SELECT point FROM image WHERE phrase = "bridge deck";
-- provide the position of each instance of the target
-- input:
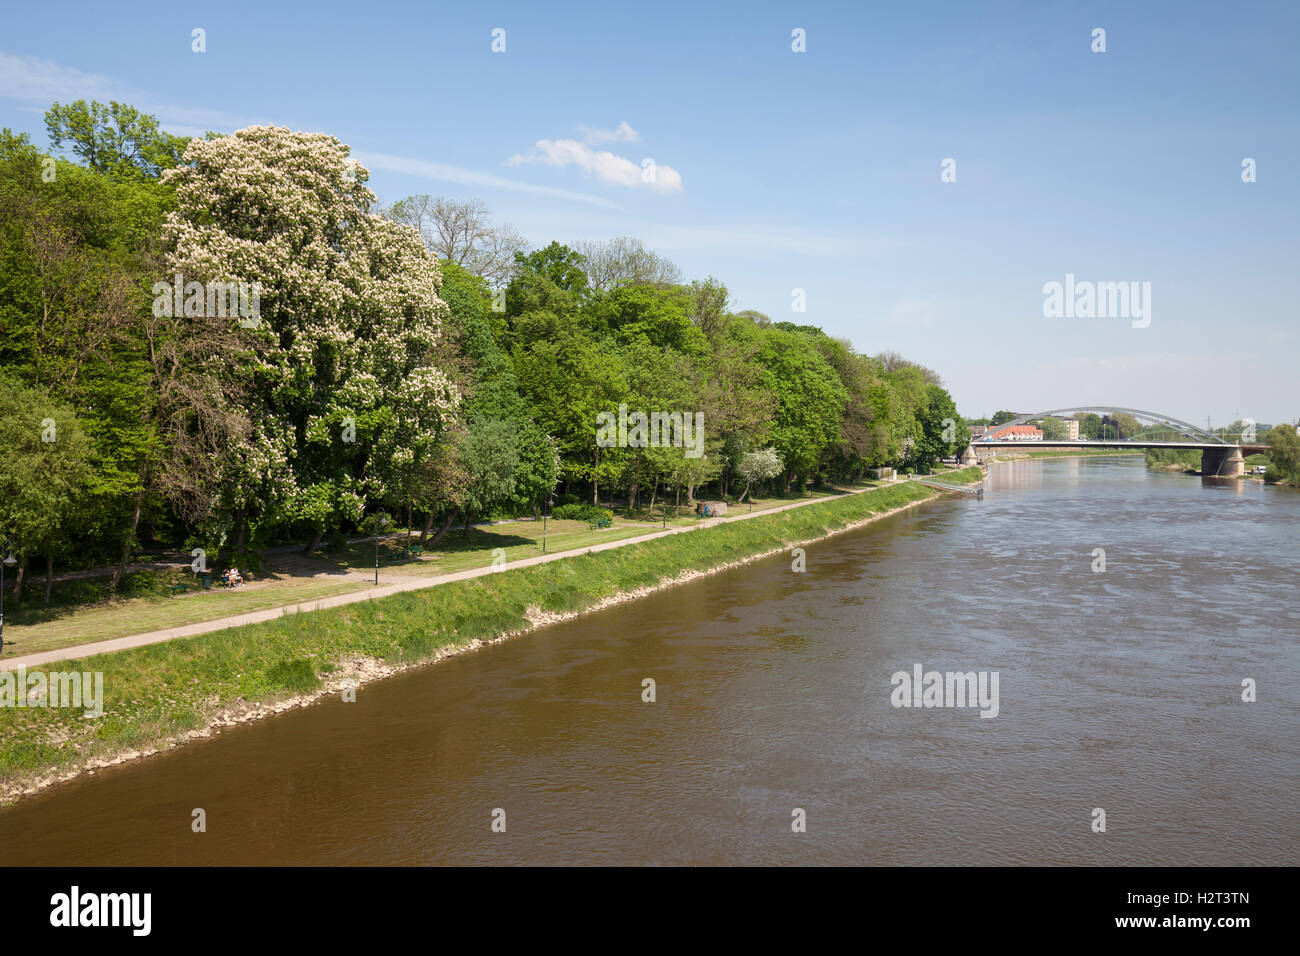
(1139, 443)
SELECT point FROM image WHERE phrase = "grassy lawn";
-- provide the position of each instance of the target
(71, 626)
(293, 579)
(963, 476)
(153, 695)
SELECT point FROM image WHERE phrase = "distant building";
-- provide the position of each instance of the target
(1015, 433)
(978, 431)
(1072, 429)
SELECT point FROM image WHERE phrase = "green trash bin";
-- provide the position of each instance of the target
(205, 580)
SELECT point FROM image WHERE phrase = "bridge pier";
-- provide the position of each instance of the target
(1226, 462)
(968, 457)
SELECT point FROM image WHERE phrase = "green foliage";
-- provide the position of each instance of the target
(116, 139)
(1283, 454)
(379, 378)
(581, 512)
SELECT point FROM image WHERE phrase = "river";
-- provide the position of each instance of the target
(1118, 690)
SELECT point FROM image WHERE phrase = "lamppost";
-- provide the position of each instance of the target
(8, 562)
(549, 503)
(379, 523)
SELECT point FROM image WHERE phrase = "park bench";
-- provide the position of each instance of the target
(601, 523)
(201, 582)
(414, 551)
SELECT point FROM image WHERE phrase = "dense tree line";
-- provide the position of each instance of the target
(227, 343)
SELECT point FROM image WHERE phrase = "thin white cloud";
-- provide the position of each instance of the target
(38, 82)
(760, 239)
(623, 133)
(604, 165)
(469, 177)
(33, 80)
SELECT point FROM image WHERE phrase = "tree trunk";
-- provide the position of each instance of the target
(18, 580)
(49, 577)
(428, 523)
(126, 542)
(441, 531)
(241, 535)
(314, 543)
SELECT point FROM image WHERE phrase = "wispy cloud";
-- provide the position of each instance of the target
(454, 174)
(40, 82)
(604, 165)
(31, 79)
(623, 133)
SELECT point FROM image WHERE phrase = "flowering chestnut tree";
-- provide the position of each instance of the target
(345, 365)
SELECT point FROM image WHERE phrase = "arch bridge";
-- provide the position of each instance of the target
(1219, 456)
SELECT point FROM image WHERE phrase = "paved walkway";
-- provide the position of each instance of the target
(394, 586)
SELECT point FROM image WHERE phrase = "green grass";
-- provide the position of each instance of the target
(155, 694)
(963, 476)
(1079, 452)
(289, 579)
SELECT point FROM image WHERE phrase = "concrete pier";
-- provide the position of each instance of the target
(1225, 462)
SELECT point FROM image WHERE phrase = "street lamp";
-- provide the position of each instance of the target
(549, 503)
(379, 523)
(8, 562)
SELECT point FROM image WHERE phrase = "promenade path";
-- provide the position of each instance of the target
(394, 585)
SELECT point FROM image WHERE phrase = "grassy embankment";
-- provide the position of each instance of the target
(157, 695)
(962, 476)
(1070, 453)
(84, 611)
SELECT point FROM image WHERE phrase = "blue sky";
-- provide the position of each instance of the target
(817, 171)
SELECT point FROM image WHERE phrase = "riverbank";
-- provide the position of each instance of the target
(1064, 453)
(164, 695)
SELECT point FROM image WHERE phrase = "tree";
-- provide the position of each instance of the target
(490, 456)
(1089, 425)
(1284, 451)
(810, 399)
(1054, 429)
(43, 471)
(625, 261)
(461, 231)
(1120, 425)
(116, 138)
(351, 359)
(708, 308)
(892, 362)
(559, 264)
(1002, 417)
(943, 433)
(760, 465)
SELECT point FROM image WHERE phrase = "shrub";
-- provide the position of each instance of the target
(577, 512)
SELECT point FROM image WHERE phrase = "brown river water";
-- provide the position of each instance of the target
(1118, 690)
